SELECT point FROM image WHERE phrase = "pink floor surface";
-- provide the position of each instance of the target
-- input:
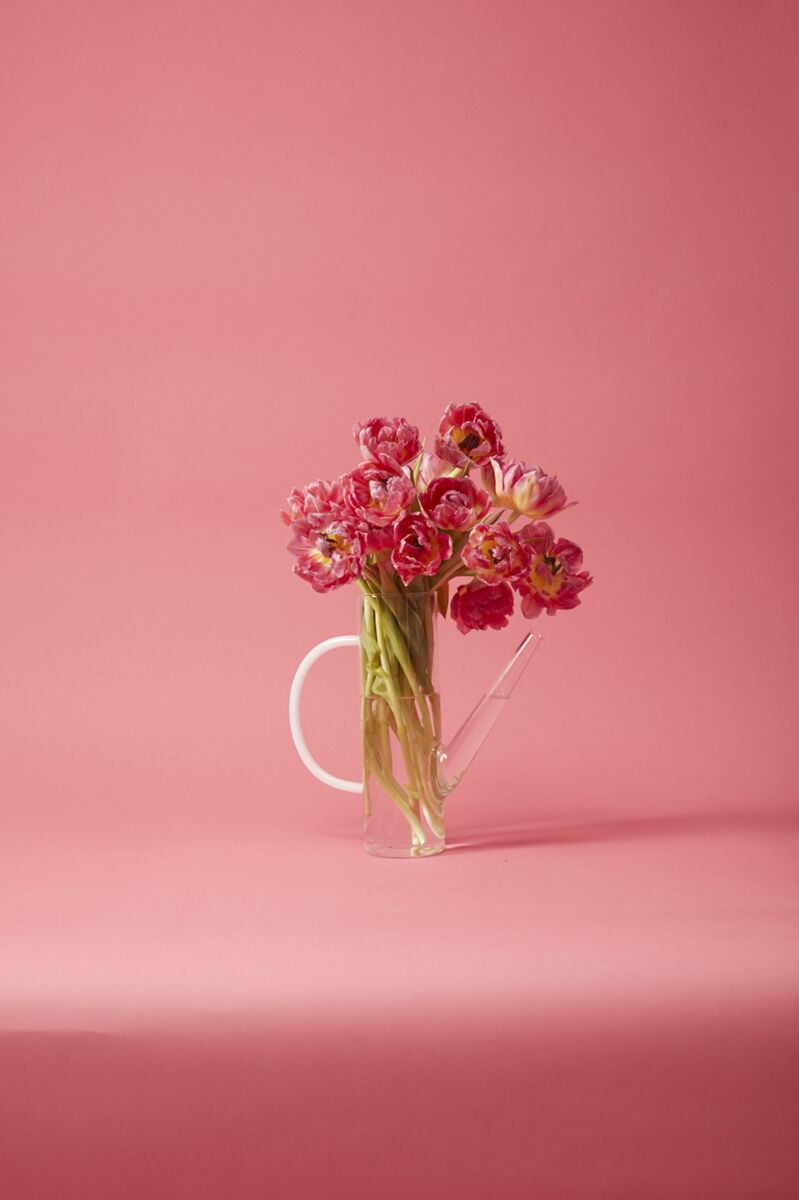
(606, 1009)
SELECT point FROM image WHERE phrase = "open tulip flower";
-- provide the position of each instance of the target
(313, 506)
(479, 605)
(553, 579)
(329, 556)
(495, 553)
(378, 494)
(467, 435)
(392, 441)
(419, 548)
(528, 491)
(454, 504)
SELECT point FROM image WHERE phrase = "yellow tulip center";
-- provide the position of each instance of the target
(547, 575)
(327, 544)
(466, 440)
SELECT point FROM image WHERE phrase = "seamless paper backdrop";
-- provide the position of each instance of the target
(230, 229)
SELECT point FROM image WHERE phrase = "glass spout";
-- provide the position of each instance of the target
(457, 756)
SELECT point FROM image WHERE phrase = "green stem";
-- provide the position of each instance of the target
(399, 703)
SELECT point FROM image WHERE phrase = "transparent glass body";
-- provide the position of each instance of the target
(407, 772)
(400, 725)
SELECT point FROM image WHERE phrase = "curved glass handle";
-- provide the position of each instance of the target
(343, 785)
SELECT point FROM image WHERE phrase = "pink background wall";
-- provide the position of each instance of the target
(231, 228)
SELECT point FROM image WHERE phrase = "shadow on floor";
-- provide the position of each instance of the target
(616, 829)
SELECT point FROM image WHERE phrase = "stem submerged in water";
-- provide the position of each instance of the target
(401, 721)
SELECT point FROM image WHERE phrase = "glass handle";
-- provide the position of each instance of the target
(343, 785)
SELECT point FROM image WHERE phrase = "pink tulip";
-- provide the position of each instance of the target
(392, 441)
(526, 490)
(496, 553)
(419, 548)
(467, 434)
(314, 505)
(329, 556)
(454, 503)
(479, 605)
(377, 493)
(553, 580)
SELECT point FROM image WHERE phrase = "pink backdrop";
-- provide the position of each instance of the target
(232, 228)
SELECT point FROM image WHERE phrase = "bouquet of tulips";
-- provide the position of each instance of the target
(411, 527)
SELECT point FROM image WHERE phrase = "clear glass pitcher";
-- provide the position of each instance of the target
(407, 771)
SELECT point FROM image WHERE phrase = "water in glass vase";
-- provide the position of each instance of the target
(400, 726)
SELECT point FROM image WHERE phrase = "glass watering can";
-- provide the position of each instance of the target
(407, 771)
